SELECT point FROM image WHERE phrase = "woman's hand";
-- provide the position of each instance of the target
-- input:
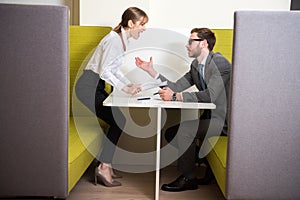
(132, 89)
(146, 66)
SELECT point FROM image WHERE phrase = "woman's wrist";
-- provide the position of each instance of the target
(153, 73)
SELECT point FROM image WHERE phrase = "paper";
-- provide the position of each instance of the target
(154, 84)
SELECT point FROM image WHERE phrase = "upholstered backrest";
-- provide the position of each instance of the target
(83, 41)
(224, 42)
(264, 141)
(34, 100)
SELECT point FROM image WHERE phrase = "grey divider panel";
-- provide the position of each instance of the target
(34, 100)
(264, 141)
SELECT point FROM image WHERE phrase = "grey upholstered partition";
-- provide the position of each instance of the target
(34, 100)
(264, 141)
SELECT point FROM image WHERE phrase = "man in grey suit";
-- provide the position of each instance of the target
(210, 73)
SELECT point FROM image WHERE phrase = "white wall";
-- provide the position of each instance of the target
(107, 12)
(179, 16)
(175, 15)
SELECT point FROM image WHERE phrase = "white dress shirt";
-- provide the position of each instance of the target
(203, 63)
(107, 59)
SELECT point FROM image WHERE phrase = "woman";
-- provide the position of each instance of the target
(102, 67)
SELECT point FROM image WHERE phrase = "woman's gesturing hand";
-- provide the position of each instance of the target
(146, 66)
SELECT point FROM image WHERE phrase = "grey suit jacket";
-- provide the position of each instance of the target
(217, 78)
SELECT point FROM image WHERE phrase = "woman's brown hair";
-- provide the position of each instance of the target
(131, 13)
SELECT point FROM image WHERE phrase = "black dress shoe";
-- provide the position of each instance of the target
(181, 184)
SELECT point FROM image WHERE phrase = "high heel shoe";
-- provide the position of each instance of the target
(113, 174)
(103, 179)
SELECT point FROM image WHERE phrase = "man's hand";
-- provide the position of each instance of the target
(166, 94)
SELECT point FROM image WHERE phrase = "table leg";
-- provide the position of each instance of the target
(158, 140)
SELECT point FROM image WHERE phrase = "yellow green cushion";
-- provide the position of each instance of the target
(82, 41)
(85, 138)
(224, 42)
(217, 159)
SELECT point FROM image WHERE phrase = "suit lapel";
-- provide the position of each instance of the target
(207, 64)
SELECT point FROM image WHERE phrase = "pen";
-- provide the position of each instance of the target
(155, 93)
(144, 98)
(162, 86)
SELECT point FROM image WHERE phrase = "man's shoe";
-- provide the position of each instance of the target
(181, 184)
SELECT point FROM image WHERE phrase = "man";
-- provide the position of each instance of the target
(210, 73)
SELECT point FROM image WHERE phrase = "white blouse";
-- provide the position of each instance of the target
(107, 59)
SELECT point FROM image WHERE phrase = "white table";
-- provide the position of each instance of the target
(116, 99)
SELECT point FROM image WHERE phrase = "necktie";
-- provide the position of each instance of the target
(201, 76)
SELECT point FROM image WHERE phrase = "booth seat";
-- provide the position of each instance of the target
(259, 158)
(218, 145)
(47, 142)
(84, 131)
(217, 159)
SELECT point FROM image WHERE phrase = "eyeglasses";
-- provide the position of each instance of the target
(190, 41)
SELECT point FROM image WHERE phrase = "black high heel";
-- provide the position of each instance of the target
(103, 180)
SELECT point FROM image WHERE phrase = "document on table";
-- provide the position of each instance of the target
(153, 84)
